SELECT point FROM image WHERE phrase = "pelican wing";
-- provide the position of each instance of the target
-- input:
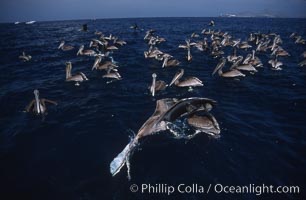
(232, 73)
(190, 82)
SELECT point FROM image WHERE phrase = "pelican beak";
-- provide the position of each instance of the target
(153, 84)
(219, 65)
(80, 50)
(177, 76)
(165, 61)
(97, 61)
(61, 45)
(36, 94)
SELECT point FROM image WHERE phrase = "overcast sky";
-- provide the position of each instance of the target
(41, 10)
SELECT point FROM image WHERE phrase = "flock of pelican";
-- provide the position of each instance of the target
(195, 109)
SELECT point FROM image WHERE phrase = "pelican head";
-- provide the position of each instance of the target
(208, 107)
(80, 49)
(61, 44)
(36, 93)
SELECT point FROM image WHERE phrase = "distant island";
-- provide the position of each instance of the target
(246, 14)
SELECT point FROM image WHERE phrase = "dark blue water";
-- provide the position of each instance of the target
(67, 154)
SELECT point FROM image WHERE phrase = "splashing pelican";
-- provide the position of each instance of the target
(166, 111)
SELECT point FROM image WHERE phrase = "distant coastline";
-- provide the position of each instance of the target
(111, 18)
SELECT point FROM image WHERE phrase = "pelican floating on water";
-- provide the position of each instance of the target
(37, 105)
(64, 47)
(168, 62)
(243, 67)
(275, 64)
(25, 57)
(211, 23)
(187, 46)
(206, 124)
(156, 85)
(112, 74)
(166, 111)
(229, 74)
(80, 77)
(188, 82)
(106, 65)
(87, 52)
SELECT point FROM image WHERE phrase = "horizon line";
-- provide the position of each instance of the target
(92, 19)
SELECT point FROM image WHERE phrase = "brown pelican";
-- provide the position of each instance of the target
(187, 46)
(64, 47)
(80, 77)
(153, 52)
(87, 52)
(230, 74)
(149, 34)
(25, 57)
(37, 105)
(243, 67)
(207, 124)
(299, 40)
(95, 43)
(279, 51)
(166, 112)
(134, 27)
(156, 85)
(188, 82)
(207, 32)
(156, 40)
(253, 60)
(168, 62)
(113, 75)
(119, 42)
(275, 64)
(103, 66)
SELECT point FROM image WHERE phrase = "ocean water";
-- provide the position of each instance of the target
(66, 154)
